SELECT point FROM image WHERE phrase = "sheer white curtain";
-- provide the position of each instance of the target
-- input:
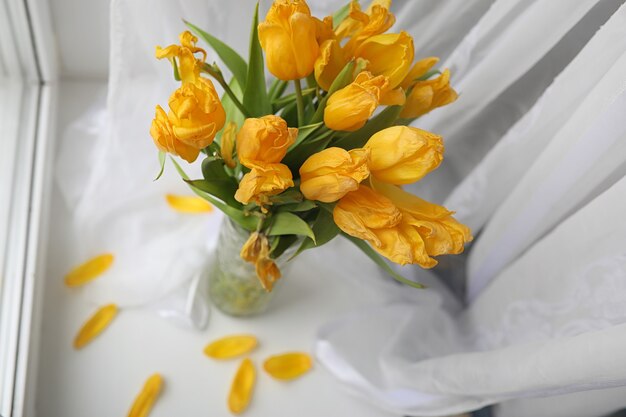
(535, 164)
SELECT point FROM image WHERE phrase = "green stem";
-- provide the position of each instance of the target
(216, 73)
(299, 102)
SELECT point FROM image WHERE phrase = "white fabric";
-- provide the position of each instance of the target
(535, 160)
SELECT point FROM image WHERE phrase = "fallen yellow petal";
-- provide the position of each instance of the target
(288, 365)
(88, 271)
(188, 204)
(231, 346)
(241, 389)
(95, 325)
(146, 398)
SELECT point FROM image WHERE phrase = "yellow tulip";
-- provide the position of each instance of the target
(389, 54)
(428, 95)
(349, 109)
(196, 113)
(419, 69)
(359, 213)
(264, 140)
(329, 63)
(262, 181)
(268, 273)
(188, 65)
(401, 227)
(256, 250)
(403, 155)
(164, 138)
(442, 234)
(375, 20)
(227, 145)
(289, 38)
(330, 174)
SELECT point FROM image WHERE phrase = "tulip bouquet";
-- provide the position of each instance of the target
(326, 149)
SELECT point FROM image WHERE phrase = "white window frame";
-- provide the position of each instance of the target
(28, 75)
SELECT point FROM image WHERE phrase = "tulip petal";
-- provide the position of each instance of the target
(95, 325)
(188, 204)
(147, 397)
(89, 270)
(288, 365)
(231, 346)
(242, 386)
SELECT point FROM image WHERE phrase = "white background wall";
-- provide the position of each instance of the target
(82, 30)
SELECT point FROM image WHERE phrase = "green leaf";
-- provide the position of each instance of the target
(345, 77)
(305, 205)
(289, 224)
(324, 229)
(162, 163)
(277, 89)
(297, 156)
(341, 15)
(231, 59)
(291, 195)
(303, 133)
(380, 261)
(281, 102)
(357, 139)
(238, 216)
(283, 243)
(217, 182)
(255, 98)
(232, 111)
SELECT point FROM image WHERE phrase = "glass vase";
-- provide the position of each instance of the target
(233, 284)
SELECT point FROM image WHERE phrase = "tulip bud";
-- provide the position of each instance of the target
(289, 38)
(349, 108)
(264, 140)
(330, 174)
(403, 155)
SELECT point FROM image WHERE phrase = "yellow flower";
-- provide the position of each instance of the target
(401, 227)
(289, 38)
(361, 212)
(330, 174)
(403, 155)
(256, 250)
(188, 65)
(349, 108)
(329, 63)
(196, 113)
(419, 69)
(251, 250)
(164, 138)
(227, 145)
(389, 54)
(375, 20)
(262, 181)
(264, 140)
(428, 95)
(442, 234)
